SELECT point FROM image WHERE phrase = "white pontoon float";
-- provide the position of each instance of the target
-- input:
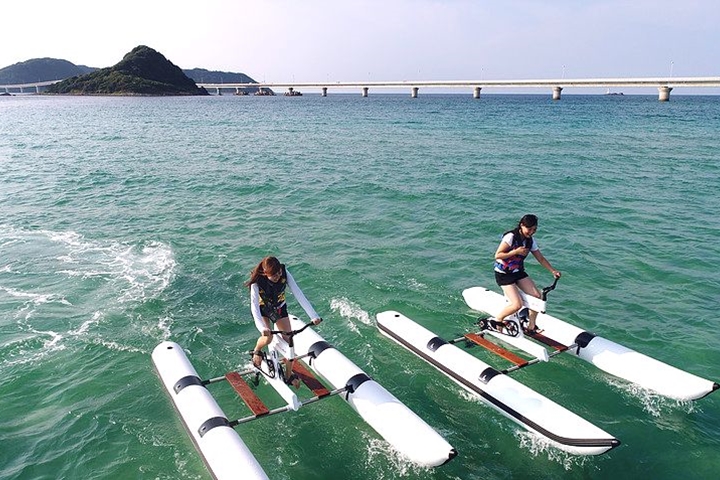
(561, 427)
(609, 356)
(222, 449)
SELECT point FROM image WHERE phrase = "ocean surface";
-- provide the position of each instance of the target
(128, 221)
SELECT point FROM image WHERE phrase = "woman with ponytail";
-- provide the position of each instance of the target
(267, 301)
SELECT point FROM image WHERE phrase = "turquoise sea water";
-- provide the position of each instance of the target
(128, 221)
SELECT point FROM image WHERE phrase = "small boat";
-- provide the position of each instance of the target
(222, 448)
(264, 92)
(560, 427)
(292, 93)
(620, 361)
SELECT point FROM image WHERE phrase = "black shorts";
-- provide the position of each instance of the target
(274, 314)
(509, 278)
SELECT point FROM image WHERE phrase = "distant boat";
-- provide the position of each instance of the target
(262, 92)
(292, 93)
(612, 93)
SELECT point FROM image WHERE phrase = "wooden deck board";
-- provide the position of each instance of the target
(243, 389)
(309, 379)
(506, 354)
(548, 341)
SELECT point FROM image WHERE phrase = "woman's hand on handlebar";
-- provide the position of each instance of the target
(316, 321)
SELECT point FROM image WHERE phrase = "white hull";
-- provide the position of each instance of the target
(222, 449)
(390, 418)
(611, 357)
(564, 429)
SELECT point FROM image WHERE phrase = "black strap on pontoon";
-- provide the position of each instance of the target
(582, 341)
(487, 375)
(211, 423)
(186, 382)
(435, 343)
(317, 348)
(354, 382)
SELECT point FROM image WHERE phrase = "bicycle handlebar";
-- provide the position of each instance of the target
(292, 333)
(549, 289)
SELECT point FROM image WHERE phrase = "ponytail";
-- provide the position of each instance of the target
(266, 267)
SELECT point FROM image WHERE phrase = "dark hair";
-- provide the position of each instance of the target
(528, 220)
(267, 267)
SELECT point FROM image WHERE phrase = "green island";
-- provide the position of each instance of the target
(143, 71)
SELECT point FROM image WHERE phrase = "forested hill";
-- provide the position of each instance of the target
(41, 70)
(200, 75)
(143, 71)
(46, 69)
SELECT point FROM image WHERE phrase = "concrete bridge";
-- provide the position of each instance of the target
(22, 86)
(663, 85)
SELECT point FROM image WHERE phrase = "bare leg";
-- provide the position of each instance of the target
(284, 325)
(528, 286)
(261, 343)
(514, 299)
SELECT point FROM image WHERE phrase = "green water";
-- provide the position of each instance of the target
(128, 221)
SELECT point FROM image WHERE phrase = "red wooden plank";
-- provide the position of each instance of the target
(548, 341)
(243, 389)
(309, 379)
(506, 354)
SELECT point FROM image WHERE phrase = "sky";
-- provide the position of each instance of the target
(378, 40)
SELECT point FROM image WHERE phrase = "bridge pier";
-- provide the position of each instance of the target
(414, 92)
(476, 92)
(556, 93)
(664, 93)
(217, 91)
(365, 91)
(324, 91)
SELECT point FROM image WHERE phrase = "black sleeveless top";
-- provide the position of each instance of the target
(272, 295)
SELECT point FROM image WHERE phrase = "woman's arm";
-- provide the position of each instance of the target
(255, 309)
(505, 250)
(302, 300)
(545, 263)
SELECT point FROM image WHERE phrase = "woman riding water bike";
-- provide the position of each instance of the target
(510, 272)
(267, 284)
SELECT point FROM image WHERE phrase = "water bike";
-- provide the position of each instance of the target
(515, 324)
(214, 435)
(560, 336)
